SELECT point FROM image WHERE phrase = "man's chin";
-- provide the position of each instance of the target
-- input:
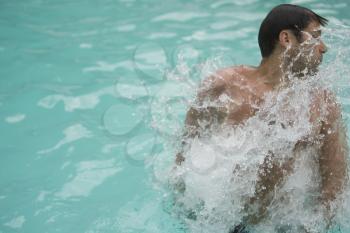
(314, 68)
(307, 72)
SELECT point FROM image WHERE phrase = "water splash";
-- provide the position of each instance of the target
(209, 191)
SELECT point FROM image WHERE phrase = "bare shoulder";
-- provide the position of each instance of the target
(230, 74)
(224, 78)
(332, 108)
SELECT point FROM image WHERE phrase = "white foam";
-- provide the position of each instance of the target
(224, 166)
(220, 170)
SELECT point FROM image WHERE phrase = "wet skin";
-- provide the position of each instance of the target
(246, 87)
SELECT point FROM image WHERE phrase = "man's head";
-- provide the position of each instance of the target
(294, 32)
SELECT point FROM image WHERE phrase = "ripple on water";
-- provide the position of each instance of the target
(16, 223)
(126, 27)
(202, 35)
(72, 103)
(140, 147)
(224, 24)
(150, 59)
(72, 133)
(226, 3)
(89, 175)
(130, 87)
(157, 35)
(85, 46)
(180, 16)
(15, 118)
(104, 66)
(144, 215)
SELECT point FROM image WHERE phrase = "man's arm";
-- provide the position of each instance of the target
(270, 175)
(333, 156)
(334, 151)
(199, 117)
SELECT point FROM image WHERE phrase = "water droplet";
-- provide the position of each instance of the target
(121, 118)
(186, 54)
(130, 87)
(168, 114)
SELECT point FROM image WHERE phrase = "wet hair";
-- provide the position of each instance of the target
(282, 17)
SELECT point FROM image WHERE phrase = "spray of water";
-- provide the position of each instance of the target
(209, 192)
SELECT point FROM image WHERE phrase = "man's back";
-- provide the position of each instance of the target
(234, 95)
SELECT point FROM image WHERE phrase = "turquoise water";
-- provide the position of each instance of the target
(84, 107)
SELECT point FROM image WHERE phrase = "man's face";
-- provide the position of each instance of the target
(305, 55)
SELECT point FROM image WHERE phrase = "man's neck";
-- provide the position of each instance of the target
(270, 71)
(273, 73)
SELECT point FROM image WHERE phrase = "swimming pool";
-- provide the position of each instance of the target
(91, 93)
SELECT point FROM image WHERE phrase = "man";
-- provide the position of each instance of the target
(291, 46)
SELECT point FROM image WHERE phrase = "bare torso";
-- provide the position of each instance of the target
(238, 93)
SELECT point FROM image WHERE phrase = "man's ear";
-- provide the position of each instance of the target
(285, 39)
